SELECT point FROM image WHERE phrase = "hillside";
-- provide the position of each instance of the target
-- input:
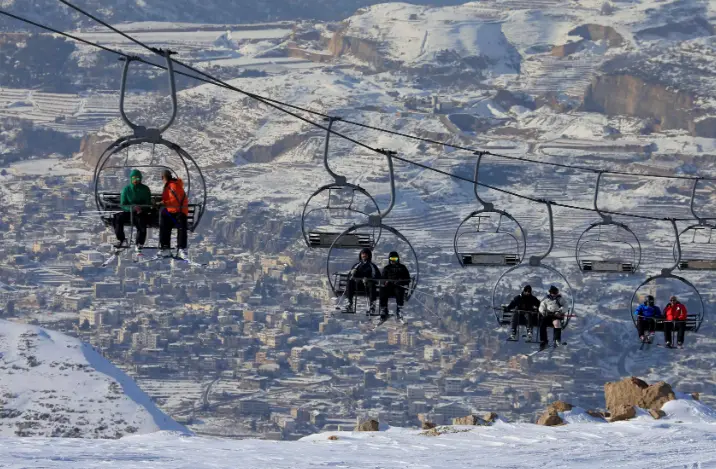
(54, 385)
(682, 439)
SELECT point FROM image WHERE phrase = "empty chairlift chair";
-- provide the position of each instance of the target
(328, 209)
(609, 236)
(698, 246)
(477, 242)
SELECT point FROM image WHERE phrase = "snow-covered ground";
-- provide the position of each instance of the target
(685, 438)
(52, 384)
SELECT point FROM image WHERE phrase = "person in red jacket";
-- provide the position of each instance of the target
(676, 314)
(173, 215)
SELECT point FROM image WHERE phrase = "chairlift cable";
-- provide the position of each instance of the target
(271, 102)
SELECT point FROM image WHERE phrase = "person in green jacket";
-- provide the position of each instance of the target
(136, 198)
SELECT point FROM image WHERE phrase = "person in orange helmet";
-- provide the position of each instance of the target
(175, 209)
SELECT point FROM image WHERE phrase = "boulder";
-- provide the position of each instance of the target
(635, 392)
(489, 417)
(550, 418)
(468, 420)
(333, 437)
(367, 426)
(623, 412)
(597, 414)
(657, 413)
(656, 395)
(428, 425)
(695, 396)
(560, 406)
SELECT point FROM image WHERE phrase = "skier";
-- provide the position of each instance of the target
(135, 201)
(173, 215)
(551, 311)
(360, 278)
(396, 281)
(525, 304)
(676, 315)
(646, 317)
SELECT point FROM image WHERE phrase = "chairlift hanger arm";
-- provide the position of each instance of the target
(678, 249)
(486, 205)
(536, 260)
(604, 217)
(389, 154)
(336, 177)
(691, 203)
(139, 130)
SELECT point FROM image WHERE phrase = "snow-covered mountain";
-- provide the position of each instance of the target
(55, 386)
(684, 438)
(194, 11)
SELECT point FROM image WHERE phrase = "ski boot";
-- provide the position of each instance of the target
(348, 309)
(138, 252)
(529, 335)
(398, 314)
(371, 310)
(513, 336)
(384, 315)
(182, 254)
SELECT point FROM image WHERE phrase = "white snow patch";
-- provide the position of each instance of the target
(46, 372)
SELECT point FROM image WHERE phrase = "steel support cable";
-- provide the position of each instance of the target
(270, 102)
(267, 100)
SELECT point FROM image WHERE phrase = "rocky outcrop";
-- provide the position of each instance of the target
(567, 49)
(506, 99)
(368, 426)
(560, 406)
(597, 414)
(623, 412)
(92, 146)
(428, 425)
(695, 396)
(363, 49)
(691, 28)
(633, 96)
(267, 153)
(657, 413)
(631, 392)
(597, 32)
(550, 418)
(490, 417)
(468, 420)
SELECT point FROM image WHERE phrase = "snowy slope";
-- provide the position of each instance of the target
(54, 385)
(640, 443)
(416, 35)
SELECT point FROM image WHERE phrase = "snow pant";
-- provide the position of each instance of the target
(516, 319)
(392, 290)
(550, 321)
(167, 221)
(643, 324)
(125, 218)
(680, 327)
(362, 285)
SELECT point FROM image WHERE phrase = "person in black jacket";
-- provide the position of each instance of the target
(359, 279)
(525, 304)
(396, 280)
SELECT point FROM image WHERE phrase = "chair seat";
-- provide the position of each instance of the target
(489, 258)
(109, 202)
(606, 266)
